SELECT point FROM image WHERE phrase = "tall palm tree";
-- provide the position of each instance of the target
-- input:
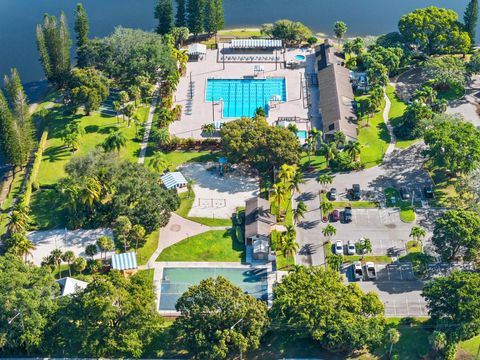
(286, 173)
(190, 183)
(91, 192)
(296, 180)
(329, 231)
(299, 212)
(117, 106)
(163, 136)
(56, 257)
(277, 195)
(288, 241)
(327, 208)
(330, 152)
(393, 336)
(69, 257)
(339, 137)
(129, 111)
(335, 261)
(365, 246)
(417, 233)
(18, 244)
(105, 244)
(324, 179)
(314, 137)
(115, 141)
(17, 222)
(25, 248)
(353, 148)
(159, 162)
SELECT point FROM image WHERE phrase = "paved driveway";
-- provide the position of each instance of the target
(398, 289)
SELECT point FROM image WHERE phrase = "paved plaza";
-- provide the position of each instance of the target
(191, 91)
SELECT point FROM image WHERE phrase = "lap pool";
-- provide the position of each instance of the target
(176, 281)
(241, 97)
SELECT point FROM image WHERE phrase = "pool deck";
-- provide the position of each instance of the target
(196, 111)
(158, 276)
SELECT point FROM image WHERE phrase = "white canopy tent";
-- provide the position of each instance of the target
(256, 43)
(197, 49)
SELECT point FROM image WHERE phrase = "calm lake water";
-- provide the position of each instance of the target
(19, 17)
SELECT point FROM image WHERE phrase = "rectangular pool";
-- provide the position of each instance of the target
(177, 280)
(241, 97)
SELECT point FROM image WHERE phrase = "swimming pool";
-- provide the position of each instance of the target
(176, 281)
(302, 135)
(241, 97)
(300, 57)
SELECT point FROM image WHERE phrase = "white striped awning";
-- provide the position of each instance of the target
(255, 43)
(124, 261)
(173, 180)
(197, 49)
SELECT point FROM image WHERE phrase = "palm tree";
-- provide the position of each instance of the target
(136, 121)
(393, 336)
(135, 93)
(91, 250)
(299, 212)
(437, 340)
(365, 246)
(105, 244)
(117, 106)
(288, 241)
(286, 173)
(339, 137)
(116, 140)
(314, 136)
(69, 258)
(159, 162)
(56, 257)
(324, 180)
(417, 233)
(277, 194)
(296, 180)
(329, 231)
(329, 151)
(163, 136)
(129, 110)
(17, 222)
(18, 244)
(124, 98)
(327, 208)
(353, 148)
(79, 264)
(190, 184)
(335, 261)
(91, 192)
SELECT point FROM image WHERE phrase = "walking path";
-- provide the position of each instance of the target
(386, 120)
(148, 126)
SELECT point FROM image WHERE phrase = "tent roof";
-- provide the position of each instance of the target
(197, 49)
(70, 285)
(255, 43)
(173, 179)
(124, 261)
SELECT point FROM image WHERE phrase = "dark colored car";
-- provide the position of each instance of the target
(428, 191)
(404, 193)
(347, 214)
(335, 215)
(333, 194)
(356, 192)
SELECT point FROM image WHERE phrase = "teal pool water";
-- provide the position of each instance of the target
(300, 57)
(241, 97)
(302, 135)
(177, 280)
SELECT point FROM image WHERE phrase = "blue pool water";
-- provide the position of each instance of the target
(177, 280)
(241, 97)
(302, 135)
(300, 57)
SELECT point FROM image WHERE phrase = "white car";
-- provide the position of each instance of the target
(357, 270)
(338, 248)
(370, 270)
(351, 248)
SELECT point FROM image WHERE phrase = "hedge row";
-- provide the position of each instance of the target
(35, 168)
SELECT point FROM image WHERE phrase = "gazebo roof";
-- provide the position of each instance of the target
(197, 49)
(124, 261)
(255, 43)
(173, 179)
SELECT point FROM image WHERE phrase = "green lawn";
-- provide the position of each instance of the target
(374, 138)
(97, 127)
(146, 251)
(444, 189)
(217, 245)
(356, 204)
(414, 246)
(396, 114)
(46, 209)
(185, 206)
(317, 162)
(379, 259)
(471, 346)
(407, 213)
(413, 343)
(177, 158)
(15, 190)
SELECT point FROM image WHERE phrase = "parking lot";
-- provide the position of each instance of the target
(397, 287)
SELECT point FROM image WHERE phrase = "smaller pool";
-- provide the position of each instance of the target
(300, 57)
(302, 135)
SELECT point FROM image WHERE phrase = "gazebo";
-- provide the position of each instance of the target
(174, 180)
(125, 262)
(197, 51)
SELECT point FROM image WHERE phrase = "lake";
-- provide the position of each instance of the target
(19, 17)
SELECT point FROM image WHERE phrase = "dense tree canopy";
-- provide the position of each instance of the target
(128, 55)
(445, 72)
(457, 235)
(263, 147)
(218, 320)
(100, 188)
(435, 31)
(454, 145)
(27, 299)
(292, 33)
(164, 15)
(454, 304)
(112, 317)
(87, 87)
(316, 301)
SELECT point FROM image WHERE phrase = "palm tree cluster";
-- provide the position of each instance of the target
(331, 150)
(287, 242)
(16, 241)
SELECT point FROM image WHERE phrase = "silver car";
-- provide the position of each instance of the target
(351, 248)
(338, 247)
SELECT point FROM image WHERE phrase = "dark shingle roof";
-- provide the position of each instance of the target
(258, 219)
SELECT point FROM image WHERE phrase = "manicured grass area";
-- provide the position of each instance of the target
(356, 204)
(242, 32)
(177, 158)
(146, 251)
(317, 162)
(217, 245)
(444, 189)
(97, 127)
(46, 209)
(185, 206)
(374, 138)
(407, 213)
(413, 343)
(379, 259)
(414, 246)
(395, 115)
(470, 346)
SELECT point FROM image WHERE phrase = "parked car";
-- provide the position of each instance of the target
(333, 194)
(357, 270)
(356, 192)
(335, 215)
(347, 214)
(428, 191)
(370, 270)
(404, 193)
(338, 247)
(351, 248)
(360, 243)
